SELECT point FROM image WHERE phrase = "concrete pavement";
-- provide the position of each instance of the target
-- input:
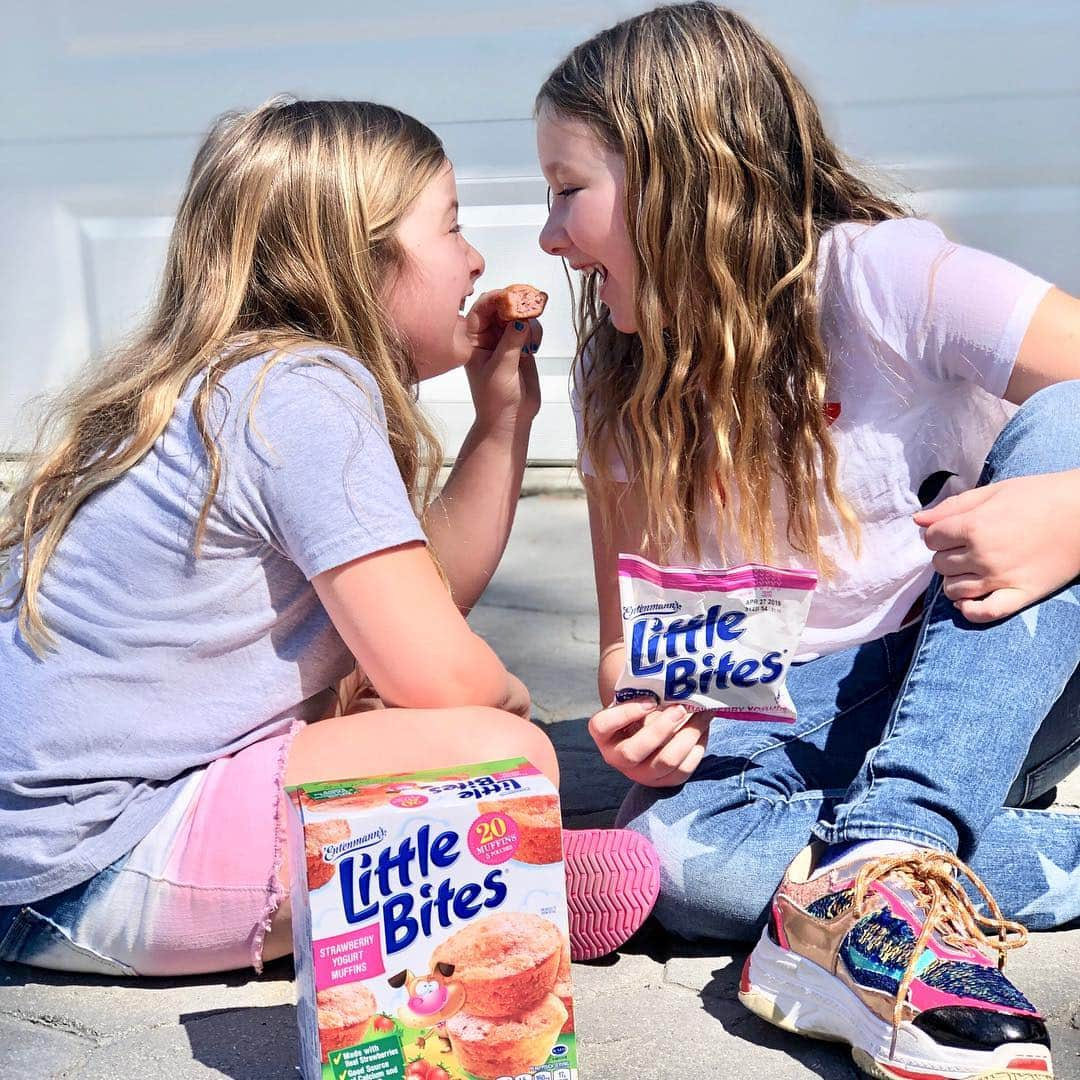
(659, 1010)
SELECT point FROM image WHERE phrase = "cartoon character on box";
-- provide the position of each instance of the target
(433, 999)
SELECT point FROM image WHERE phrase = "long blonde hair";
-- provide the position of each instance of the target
(284, 237)
(730, 183)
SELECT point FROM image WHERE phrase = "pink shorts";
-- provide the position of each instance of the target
(196, 894)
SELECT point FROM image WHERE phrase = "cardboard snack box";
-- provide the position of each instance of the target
(430, 927)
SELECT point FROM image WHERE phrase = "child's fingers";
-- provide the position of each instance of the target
(674, 752)
(955, 561)
(608, 722)
(482, 314)
(951, 532)
(1000, 604)
(687, 768)
(659, 728)
(536, 335)
(955, 504)
(514, 339)
(482, 323)
(965, 587)
(506, 344)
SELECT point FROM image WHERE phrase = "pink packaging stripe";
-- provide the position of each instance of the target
(745, 714)
(738, 577)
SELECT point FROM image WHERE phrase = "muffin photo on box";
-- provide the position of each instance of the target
(506, 963)
(491, 1047)
(539, 825)
(321, 833)
(345, 1013)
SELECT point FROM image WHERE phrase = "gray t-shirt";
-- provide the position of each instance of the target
(166, 662)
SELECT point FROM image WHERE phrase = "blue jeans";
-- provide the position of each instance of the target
(936, 734)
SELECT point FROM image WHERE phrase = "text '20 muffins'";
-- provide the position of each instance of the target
(430, 927)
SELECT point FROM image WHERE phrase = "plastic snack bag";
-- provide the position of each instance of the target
(716, 640)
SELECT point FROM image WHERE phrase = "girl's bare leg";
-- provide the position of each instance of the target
(385, 741)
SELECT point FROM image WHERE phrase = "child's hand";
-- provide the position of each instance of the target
(502, 373)
(1004, 546)
(657, 748)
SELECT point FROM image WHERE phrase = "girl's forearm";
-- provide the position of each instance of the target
(469, 523)
(610, 667)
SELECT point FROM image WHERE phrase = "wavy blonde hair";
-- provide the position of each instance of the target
(284, 238)
(730, 183)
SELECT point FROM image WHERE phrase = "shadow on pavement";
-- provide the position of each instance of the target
(719, 998)
(590, 790)
(248, 1043)
(240, 1043)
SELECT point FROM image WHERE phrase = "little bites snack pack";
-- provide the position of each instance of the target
(430, 927)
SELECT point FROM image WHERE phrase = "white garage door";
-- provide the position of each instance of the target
(972, 103)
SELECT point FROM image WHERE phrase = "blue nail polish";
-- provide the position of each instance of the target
(519, 326)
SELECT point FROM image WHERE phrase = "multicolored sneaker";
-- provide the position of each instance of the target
(891, 957)
(612, 882)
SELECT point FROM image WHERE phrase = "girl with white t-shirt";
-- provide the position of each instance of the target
(778, 364)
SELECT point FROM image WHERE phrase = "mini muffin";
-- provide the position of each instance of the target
(316, 835)
(539, 826)
(345, 1012)
(490, 1047)
(507, 962)
(520, 302)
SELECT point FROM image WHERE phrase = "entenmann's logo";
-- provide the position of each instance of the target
(333, 852)
(668, 608)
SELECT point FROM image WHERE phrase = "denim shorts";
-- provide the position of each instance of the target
(44, 933)
(195, 895)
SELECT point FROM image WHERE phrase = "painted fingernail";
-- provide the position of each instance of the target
(519, 326)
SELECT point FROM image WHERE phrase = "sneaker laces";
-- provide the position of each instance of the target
(935, 881)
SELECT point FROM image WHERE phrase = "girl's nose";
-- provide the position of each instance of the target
(476, 263)
(553, 238)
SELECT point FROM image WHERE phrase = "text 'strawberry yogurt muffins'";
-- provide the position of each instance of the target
(712, 640)
(430, 927)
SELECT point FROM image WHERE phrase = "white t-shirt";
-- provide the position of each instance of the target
(921, 335)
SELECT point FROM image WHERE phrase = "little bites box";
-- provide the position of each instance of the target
(430, 927)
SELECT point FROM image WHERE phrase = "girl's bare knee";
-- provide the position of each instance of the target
(541, 752)
(509, 735)
(279, 941)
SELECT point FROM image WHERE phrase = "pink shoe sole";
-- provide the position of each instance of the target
(612, 881)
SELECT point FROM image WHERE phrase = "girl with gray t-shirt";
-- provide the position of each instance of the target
(229, 517)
